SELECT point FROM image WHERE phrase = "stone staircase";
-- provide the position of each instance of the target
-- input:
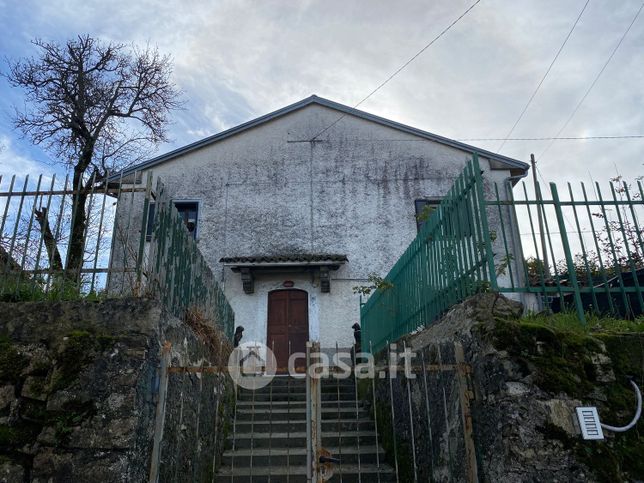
(269, 440)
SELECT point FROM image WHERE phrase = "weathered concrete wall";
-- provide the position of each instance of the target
(79, 387)
(526, 381)
(264, 192)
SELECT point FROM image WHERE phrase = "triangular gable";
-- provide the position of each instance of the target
(504, 161)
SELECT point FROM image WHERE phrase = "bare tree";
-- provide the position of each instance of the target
(95, 107)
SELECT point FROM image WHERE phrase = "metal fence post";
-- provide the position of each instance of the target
(314, 414)
(478, 181)
(572, 274)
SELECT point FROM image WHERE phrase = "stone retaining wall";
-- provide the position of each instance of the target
(526, 381)
(79, 385)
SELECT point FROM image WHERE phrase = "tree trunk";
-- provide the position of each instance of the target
(76, 252)
(55, 261)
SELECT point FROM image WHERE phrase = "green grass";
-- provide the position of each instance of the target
(19, 290)
(568, 322)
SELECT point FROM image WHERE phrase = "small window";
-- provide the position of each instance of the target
(424, 209)
(188, 211)
(460, 220)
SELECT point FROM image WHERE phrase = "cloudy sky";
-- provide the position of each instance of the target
(237, 59)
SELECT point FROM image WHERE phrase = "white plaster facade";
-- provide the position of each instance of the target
(265, 189)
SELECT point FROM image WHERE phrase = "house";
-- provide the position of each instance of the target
(295, 208)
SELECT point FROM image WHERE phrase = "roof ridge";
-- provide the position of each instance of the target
(315, 99)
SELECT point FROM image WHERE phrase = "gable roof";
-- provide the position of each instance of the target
(510, 162)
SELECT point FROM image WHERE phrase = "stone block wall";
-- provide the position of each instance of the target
(79, 393)
(526, 380)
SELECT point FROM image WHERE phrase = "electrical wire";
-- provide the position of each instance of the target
(525, 108)
(592, 84)
(395, 73)
(560, 138)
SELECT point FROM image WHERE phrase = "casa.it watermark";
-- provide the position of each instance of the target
(253, 365)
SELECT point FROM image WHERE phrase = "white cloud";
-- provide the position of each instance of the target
(237, 59)
(12, 162)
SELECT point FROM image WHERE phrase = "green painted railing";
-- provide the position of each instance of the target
(582, 253)
(119, 258)
(449, 260)
(178, 272)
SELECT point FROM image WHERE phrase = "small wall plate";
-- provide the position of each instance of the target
(589, 423)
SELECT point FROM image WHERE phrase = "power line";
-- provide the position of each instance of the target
(525, 108)
(382, 84)
(560, 138)
(590, 88)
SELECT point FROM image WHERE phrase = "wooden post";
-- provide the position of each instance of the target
(465, 395)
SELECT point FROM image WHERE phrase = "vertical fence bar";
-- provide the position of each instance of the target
(628, 251)
(6, 206)
(218, 391)
(428, 416)
(28, 235)
(640, 253)
(339, 422)
(445, 412)
(617, 267)
(572, 274)
(15, 228)
(595, 237)
(484, 222)
(144, 227)
(100, 231)
(270, 420)
(411, 420)
(516, 235)
(88, 222)
(375, 420)
(540, 261)
(76, 195)
(552, 252)
(393, 416)
(44, 214)
(583, 249)
(355, 385)
(508, 255)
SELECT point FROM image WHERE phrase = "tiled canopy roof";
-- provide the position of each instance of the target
(286, 258)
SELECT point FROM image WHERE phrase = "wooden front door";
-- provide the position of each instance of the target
(288, 321)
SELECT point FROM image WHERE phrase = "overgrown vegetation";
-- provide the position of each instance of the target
(568, 322)
(375, 282)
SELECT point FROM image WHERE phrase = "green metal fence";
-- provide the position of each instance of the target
(450, 259)
(581, 252)
(178, 272)
(580, 249)
(117, 257)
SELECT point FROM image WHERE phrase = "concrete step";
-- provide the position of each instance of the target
(295, 404)
(296, 389)
(297, 439)
(343, 393)
(241, 458)
(280, 380)
(280, 424)
(293, 413)
(296, 474)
